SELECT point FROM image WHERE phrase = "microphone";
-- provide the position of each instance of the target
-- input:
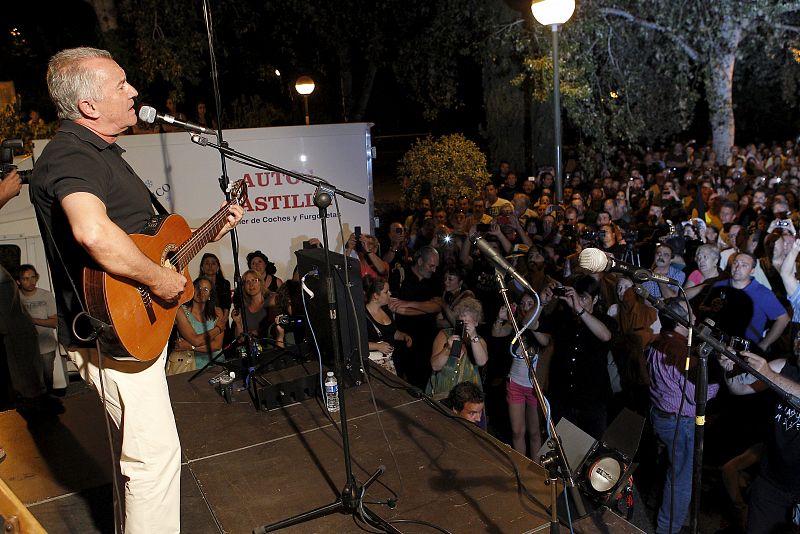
(500, 262)
(150, 115)
(596, 261)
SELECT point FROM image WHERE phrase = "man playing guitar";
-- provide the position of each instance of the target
(88, 199)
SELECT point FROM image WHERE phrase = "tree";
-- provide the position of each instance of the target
(448, 167)
(711, 36)
(643, 64)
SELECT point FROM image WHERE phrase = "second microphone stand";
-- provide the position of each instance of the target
(710, 344)
(351, 498)
(554, 461)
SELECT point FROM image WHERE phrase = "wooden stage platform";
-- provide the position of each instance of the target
(243, 469)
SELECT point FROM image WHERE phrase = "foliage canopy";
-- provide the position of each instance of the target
(448, 167)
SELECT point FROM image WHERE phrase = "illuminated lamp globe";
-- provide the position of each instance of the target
(550, 12)
(304, 85)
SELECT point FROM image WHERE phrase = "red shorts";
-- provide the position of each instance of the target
(516, 394)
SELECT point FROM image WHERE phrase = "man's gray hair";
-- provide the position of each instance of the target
(70, 80)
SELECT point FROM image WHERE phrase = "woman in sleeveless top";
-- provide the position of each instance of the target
(381, 330)
(201, 324)
(253, 306)
(523, 405)
(450, 369)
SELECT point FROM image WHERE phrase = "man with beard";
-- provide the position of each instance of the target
(416, 301)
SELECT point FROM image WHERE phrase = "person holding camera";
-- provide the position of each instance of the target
(523, 406)
(397, 253)
(458, 352)
(365, 248)
(579, 385)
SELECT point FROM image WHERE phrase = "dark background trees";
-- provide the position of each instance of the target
(636, 72)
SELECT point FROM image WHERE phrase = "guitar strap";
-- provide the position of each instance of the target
(157, 204)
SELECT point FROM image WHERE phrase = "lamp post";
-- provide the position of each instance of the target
(305, 86)
(554, 13)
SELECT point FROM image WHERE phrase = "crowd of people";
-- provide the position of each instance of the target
(435, 316)
(725, 233)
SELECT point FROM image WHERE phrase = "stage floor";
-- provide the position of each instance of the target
(243, 469)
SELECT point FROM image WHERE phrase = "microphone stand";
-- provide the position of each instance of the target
(555, 461)
(250, 378)
(710, 344)
(350, 499)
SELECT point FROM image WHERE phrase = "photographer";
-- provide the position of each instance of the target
(397, 253)
(579, 385)
(366, 249)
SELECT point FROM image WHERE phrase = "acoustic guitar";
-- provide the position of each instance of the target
(141, 322)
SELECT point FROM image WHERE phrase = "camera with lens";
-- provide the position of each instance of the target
(593, 236)
(286, 320)
(559, 291)
(630, 236)
(7, 160)
(739, 344)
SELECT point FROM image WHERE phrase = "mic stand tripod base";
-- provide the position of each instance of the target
(549, 463)
(349, 502)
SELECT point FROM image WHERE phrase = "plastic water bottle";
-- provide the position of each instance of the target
(331, 393)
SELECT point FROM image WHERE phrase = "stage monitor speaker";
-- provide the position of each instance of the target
(350, 313)
(600, 468)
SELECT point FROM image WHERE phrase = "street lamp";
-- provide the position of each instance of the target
(305, 86)
(554, 13)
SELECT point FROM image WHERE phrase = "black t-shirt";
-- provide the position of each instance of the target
(781, 461)
(420, 327)
(76, 160)
(579, 369)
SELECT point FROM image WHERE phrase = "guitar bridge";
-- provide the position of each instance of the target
(147, 301)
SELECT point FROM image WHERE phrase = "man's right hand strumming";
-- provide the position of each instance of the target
(170, 285)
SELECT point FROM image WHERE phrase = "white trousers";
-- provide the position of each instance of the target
(138, 401)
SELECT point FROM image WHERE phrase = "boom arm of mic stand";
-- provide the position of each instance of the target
(311, 180)
(555, 439)
(718, 346)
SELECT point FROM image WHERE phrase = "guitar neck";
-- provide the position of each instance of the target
(200, 238)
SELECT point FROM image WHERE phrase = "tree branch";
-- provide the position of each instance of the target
(788, 8)
(504, 28)
(611, 11)
(787, 28)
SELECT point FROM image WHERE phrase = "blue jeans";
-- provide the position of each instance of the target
(681, 463)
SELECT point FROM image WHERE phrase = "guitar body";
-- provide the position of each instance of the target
(141, 321)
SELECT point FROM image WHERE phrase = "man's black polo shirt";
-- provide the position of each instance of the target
(77, 160)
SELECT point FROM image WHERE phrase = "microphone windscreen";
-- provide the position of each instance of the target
(593, 260)
(147, 114)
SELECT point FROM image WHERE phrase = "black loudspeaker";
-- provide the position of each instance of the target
(350, 310)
